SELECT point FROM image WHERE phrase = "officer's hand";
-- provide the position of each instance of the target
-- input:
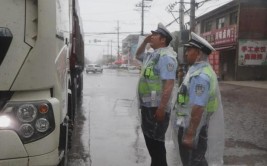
(188, 140)
(159, 115)
(147, 39)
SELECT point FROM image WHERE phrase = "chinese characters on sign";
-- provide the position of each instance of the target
(252, 52)
(226, 35)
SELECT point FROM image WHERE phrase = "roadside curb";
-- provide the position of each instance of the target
(253, 84)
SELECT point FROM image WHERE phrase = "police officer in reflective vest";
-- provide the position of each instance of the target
(199, 105)
(155, 86)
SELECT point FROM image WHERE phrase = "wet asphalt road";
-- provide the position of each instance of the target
(107, 128)
(245, 112)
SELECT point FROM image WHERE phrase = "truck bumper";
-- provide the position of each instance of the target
(49, 159)
(14, 153)
(14, 162)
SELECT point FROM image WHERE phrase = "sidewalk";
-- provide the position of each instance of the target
(255, 84)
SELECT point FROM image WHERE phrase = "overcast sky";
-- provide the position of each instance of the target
(104, 16)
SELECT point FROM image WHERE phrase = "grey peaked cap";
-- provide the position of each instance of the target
(163, 31)
(199, 42)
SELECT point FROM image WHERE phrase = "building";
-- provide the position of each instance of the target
(129, 47)
(237, 30)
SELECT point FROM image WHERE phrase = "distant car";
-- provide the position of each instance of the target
(132, 68)
(124, 66)
(94, 68)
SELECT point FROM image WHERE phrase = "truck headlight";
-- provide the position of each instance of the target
(4, 121)
(31, 120)
(27, 112)
(26, 130)
(42, 125)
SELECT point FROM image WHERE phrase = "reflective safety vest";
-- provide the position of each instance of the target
(183, 94)
(150, 84)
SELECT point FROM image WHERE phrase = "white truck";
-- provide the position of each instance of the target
(41, 65)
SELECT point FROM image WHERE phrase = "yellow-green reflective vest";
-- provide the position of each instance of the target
(212, 105)
(150, 84)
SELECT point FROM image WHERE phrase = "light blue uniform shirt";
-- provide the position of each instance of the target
(166, 66)
(199, 87)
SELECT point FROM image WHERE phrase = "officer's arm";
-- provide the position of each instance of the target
(166, 93)
(142, 47)
(198, 96)
(167, 75)
(190, 134)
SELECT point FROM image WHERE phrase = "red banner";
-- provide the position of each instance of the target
(223, 36)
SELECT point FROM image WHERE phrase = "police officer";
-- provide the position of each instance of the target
(198, 103)
(155, 86)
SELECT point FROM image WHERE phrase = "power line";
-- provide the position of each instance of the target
(193, 5)
(108, 33)
(131, 22)
(92, 37)
(89, 44)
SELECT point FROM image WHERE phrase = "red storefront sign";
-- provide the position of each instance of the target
(223, 36)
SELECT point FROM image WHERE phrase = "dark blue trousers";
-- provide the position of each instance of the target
(157, 151)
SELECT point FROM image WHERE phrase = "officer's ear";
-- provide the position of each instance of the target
(199, 54)
(162, 40)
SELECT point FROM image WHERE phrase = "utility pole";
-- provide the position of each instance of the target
(142, 18)
(192, 15)
(181, 15)
(111, 52)
(142, 5)
(118, 28)
(108, 47)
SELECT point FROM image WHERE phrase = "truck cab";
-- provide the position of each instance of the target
(37, 97)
